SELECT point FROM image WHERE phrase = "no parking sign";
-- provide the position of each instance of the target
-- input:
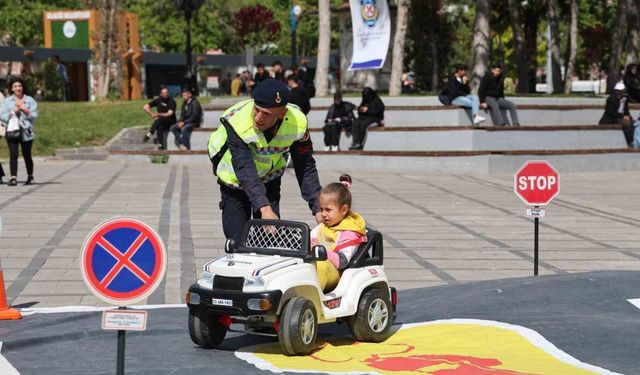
(122, 261)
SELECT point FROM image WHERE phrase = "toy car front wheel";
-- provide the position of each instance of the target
(372, 322)
(298, 327)
(205, 329)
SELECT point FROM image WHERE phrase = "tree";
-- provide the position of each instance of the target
(521, 50)
(633, 38)
(106, 52)
(324, 47)
(397, 65)
(552, 18)
(480, 42)
(617, 42)
(572, 47)
(255, 25)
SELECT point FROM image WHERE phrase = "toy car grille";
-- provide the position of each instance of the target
(228, 283)
(274, 237)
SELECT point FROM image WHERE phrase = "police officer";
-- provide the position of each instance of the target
(248, 155)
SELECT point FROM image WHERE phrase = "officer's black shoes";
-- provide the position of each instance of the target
(12, 182)
(29, 181)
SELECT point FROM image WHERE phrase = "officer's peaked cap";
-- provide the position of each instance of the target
(271, 93)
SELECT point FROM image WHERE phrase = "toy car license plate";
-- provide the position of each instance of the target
(222, 302)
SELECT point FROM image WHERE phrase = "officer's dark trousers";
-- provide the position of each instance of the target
(236, 208)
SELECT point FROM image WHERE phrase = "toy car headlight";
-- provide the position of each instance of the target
(206, 280)
(253, 281)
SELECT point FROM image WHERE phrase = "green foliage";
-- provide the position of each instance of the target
(159, 159)
(22, 20)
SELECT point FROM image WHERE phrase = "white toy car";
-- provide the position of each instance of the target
(268, 283)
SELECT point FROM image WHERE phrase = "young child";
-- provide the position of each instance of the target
(341, 232)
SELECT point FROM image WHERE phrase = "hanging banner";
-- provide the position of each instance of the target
(371, 32)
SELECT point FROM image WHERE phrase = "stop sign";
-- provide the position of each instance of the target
(536, 183)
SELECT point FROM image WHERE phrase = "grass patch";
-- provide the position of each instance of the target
(82, 124)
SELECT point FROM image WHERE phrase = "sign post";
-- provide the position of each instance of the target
(536, 183)
(122, 262)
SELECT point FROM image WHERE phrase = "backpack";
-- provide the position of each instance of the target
(443, 97)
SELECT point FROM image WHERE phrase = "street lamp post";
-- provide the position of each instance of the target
(296, 11)
(189, 7)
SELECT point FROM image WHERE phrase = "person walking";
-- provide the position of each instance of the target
(491, 93)
(458, 92)
(163, 118)
(190, 117)
(24, 109)
(4, 127)
(249, 151)
(61, 70)
(370, 112)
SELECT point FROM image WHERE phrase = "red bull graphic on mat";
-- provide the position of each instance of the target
(444, 347)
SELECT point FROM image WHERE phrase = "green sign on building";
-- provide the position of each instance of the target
(70, 34)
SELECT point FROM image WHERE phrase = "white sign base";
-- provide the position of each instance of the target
(124, 320)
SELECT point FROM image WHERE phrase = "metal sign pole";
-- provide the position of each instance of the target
(121, 344)
(535, 243)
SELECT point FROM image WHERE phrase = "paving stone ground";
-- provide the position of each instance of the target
(438, 228)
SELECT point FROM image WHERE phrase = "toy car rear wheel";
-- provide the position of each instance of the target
(205, 329)
(373, 320)
(298, 327)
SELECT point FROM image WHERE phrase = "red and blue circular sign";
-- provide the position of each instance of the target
(123, 261)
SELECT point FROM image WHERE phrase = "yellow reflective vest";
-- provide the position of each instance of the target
(268, 156)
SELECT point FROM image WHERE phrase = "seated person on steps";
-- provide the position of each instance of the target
(459, 93)
(163, 118)
(339, 116)
(491, 93)
(341, 232)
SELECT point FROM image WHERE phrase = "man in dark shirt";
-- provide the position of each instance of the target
(616, 111)
(190, 117)
(261, 73)
(298, 95)
(164, 117)
(491, 93)
(256, 196)
(277, 71)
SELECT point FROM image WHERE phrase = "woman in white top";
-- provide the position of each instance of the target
(25, 109)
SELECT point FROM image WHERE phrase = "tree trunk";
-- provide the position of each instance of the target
(324, 48)
(572, 47)
(521, 51)
(633, 39)
(435, 72)
(480, 43)
(553, 13)
(397, 64)
(617, 40)
(105, 53)
(531, 43)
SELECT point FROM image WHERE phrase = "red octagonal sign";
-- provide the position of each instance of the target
(536, 183)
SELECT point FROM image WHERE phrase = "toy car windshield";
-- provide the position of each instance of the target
(275, 237)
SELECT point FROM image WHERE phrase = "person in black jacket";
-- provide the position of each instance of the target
(298, 95)
(370, 112)
(632, 82)
(190, 117)
(616, 111)
(339, 116)
(458, 91)
(261, 73)
(491, 93)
